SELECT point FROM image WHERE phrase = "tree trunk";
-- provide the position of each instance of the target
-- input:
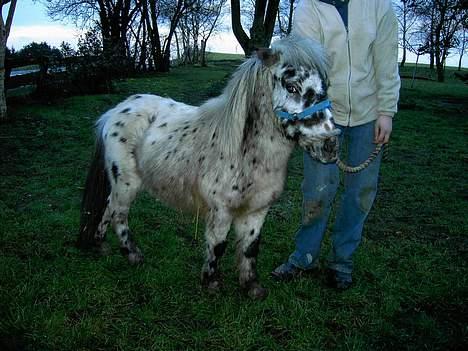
(404, 29)
(4, 33)
(239, 32)
(262, 27)
(203, 53)
(403, 58)
(3, 105)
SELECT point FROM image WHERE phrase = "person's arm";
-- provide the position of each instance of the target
(385, 52)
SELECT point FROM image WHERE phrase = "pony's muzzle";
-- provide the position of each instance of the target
(330, 149)
(326, 149)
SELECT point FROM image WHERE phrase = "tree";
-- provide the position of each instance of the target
(444, 18)
(285, 17)
(4, 33)
(197, 26)
(113, 16)
(39, 50)
(168, 12)
(407, 20)
(462, 40)
(262, 27)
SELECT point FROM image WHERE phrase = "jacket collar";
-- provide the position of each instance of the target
(335, 2)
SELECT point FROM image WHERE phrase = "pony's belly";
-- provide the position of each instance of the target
(174, 194)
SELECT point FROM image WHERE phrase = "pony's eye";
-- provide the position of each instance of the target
(291, 89)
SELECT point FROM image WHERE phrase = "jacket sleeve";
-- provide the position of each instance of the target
(385, 53)
(304, 24)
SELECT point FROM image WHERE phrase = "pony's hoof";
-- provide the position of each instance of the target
(212, 283)
(257, 292)
(213, 287)
(104, 249)
(135, 258)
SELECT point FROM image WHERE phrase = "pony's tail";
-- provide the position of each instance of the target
(95, 199)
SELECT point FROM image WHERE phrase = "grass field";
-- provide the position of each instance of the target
(411, 271)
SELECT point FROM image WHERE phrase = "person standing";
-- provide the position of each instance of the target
(361, 40)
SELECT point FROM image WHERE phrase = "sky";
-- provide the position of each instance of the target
(31, 23)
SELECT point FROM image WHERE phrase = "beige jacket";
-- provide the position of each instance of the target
(364, 80)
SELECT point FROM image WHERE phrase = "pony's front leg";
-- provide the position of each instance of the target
(218, 223)
(248, 242)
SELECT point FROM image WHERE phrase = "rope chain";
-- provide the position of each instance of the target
(349, 169)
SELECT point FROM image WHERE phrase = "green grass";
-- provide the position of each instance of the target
(411, 274)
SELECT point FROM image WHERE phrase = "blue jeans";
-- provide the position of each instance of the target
(319, 189)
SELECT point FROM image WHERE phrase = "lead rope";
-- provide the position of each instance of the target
(348, 169)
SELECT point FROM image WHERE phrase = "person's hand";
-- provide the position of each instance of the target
(383, 129)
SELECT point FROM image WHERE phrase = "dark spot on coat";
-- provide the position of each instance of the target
(235, 187)
(125, 110)
(252, 250)
(194, 130)
(220, 248)
(252, 232)
(114, 134)
(123, 140)
(162, 125)
(115, 171)
(289, 73)
(119, 124)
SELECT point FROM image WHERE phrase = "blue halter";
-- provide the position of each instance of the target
(307, 113)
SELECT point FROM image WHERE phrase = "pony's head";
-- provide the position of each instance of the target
(299, 72)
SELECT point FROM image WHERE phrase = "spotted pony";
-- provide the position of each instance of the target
(225, 160)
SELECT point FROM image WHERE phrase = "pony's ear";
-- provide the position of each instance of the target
(267, 56)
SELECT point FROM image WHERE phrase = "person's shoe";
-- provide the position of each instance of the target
(286, 271)
(339, 280)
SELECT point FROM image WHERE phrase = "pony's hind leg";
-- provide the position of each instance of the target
(248, 242)
(218, 223)
(125, 186)
(100, 235)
